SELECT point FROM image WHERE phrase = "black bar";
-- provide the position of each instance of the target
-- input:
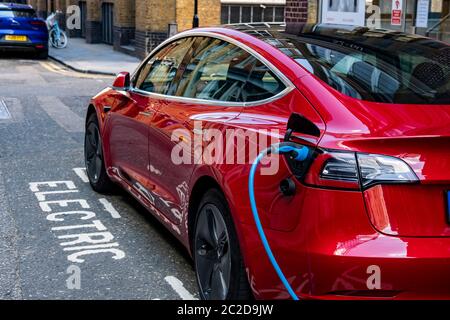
(196, 21)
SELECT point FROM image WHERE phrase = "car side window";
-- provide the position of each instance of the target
(221, 71)
(158, 75)
(262, 84)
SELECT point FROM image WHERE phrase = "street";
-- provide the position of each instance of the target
(42, 114)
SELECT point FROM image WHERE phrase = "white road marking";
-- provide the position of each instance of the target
(110, 208)
(42, 196)
(179, 288)
(56, 68)
(81, 173)
(82, 244)
(4, 112)
(99, 246)
(15, 109)
(62, 114)
(34, 186)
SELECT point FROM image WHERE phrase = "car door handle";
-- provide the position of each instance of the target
(146, 113)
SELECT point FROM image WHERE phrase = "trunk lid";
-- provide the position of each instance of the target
(420, 136)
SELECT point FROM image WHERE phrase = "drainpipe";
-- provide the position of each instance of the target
(196, 21)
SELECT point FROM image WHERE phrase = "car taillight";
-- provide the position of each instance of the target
(333, 169)
(37, 23)
(354, 171)
(376, 169)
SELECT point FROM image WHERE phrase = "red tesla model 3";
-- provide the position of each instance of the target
(366, 215)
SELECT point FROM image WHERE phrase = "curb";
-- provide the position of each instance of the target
(81, 70)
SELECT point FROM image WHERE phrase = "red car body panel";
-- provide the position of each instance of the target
(324, 240)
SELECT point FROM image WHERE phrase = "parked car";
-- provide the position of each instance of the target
(21, 29)
(368, 215)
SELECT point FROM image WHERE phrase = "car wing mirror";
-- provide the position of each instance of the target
(122, 81)
(299, 124)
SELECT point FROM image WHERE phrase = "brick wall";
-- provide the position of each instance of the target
(152, 19)
(296, 14)
(124, 23)
(94, 10)
(124, 13)
(140, 22)
(208, 12)
(41, 8)
(154, 15)
(146, 41)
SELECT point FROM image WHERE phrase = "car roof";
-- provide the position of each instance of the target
(9, 5)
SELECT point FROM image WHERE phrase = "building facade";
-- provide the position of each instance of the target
(252, 11)
(423, 17)
(138, 26)
(131, 26)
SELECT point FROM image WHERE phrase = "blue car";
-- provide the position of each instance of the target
(21, 29)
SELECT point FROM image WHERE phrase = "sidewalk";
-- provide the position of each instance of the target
(93, 58)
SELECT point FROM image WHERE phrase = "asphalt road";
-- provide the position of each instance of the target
(42, 109)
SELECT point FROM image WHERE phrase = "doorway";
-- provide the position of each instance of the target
(107, 23)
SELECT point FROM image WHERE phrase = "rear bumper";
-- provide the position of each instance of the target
(383, 267)
(335, 253)
(20, 46)
(9, 46)
(37, 41)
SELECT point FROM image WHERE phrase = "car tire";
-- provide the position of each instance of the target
(216, 252)
(94, 160)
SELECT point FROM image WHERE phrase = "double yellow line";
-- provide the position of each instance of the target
(57, 68)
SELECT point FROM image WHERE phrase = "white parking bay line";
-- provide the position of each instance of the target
(62, 114)
(179, 288)
(81, 173)
(110, 208)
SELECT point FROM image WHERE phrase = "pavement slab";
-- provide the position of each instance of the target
(94, 58)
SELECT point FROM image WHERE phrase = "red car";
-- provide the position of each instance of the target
(366, 215)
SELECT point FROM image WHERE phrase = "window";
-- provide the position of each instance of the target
(159, 73)
(279, 14)
(246, 14)
(221, 71)
(235, 13)
(251, 13)
(416, 72)
(262, 84)
(257, 14)
(26, 13)
(268, 14)
(224, 14)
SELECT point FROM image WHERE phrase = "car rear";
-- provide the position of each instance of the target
(21, 29)
(375, 196)
(387, 149)
(388, 209)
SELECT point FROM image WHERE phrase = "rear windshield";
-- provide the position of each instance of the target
(17, 13)
(408, 70)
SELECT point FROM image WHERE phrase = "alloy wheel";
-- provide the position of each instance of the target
(93, 152)
(212, 254)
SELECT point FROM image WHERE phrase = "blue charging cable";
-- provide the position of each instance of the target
(299, 154)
